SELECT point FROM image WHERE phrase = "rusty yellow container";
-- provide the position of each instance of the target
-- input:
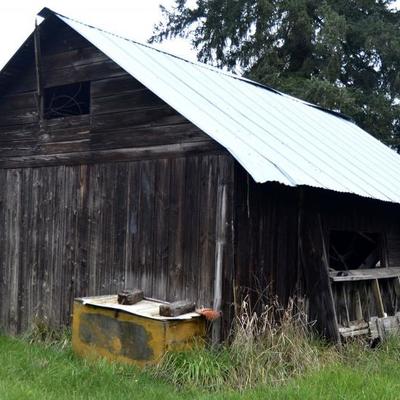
(135, 334)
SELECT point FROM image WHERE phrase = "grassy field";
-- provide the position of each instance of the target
(38, 372)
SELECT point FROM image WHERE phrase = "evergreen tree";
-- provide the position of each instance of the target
(340, 54)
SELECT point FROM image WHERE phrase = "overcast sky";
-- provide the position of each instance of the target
(130, 18)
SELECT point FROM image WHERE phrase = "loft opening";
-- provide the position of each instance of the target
(66, 100)
(354, 250)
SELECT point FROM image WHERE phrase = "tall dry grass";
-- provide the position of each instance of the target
(41, 332)
(268, 347)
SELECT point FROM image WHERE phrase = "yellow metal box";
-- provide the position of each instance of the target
(135, 334)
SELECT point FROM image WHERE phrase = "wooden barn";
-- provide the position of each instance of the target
(122, 166)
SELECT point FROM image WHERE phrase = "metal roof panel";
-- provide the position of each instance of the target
(275, 137)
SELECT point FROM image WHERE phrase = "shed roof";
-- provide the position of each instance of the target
(275, 137)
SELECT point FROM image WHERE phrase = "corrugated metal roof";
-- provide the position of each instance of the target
(275, 137)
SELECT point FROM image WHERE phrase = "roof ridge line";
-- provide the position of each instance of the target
(46, 12)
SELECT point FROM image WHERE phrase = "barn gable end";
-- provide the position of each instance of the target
(123, 195)
(123, 113)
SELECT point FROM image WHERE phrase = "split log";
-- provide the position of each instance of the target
(129, 297)
(176, 308)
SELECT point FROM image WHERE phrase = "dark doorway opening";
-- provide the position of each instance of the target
(353, 250)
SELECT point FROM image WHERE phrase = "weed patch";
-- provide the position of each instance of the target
(40, 332)
(266, 348)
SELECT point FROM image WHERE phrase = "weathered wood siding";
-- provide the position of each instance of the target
(265, 237)
(127, 196)
(127, 121)
(282, 242)
(72, 231)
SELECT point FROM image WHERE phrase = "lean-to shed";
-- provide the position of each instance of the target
(124, 166)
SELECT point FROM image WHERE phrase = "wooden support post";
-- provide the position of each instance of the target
(358, 306)
(221, 226)
(334, 329)
(315, 269)
(378, 298)
(38, 56)
(346, 304)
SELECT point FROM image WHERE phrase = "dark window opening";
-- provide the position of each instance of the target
(353, 250)
(67, 100)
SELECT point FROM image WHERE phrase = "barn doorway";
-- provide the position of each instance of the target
(353, 250)
(366, 293)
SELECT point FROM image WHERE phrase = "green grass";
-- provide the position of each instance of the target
(34, 371)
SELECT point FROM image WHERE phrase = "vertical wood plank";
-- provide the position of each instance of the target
(161, 221)
(222, 228)
(378, 298)
(175, 234)
(359, 312)
(209, 171)
(13, 215)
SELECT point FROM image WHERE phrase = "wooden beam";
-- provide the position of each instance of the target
(125, 154)
(221, 225)
(360, 328)
(364, 274)
(325, 266)
(358, 306)
(38, 55)
(378, 298)
(312, 250)
(346, 304)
